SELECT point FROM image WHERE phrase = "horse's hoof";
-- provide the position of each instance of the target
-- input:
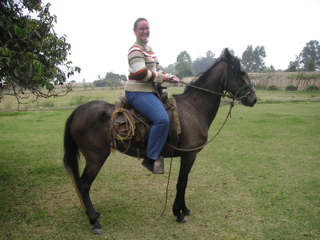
(97, 231)
(183, 220)
(187, 213)
(101, 216)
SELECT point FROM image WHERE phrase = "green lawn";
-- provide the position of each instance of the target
(259, 179)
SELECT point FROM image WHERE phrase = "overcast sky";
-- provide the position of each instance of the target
(100, 32)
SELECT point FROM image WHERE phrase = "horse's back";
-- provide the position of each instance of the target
(90, 123)
(93, 112)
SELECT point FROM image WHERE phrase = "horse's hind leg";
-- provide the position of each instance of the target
(89, 174)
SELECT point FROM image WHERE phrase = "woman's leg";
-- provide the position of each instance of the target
(151, 107)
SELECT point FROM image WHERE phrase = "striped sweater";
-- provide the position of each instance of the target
(143, 69)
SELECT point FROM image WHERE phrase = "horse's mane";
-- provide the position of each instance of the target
(198, 80)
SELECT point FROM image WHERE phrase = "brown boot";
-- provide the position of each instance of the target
(158, 167)
(148, 163)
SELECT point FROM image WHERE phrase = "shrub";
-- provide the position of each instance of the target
(312, 88)
(79, 100)
(49, 103)
(291, 88)
(272, 88)
(259, 87)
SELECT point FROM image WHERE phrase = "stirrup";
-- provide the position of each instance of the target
(158, 167)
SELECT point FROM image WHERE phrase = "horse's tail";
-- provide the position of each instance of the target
(71, 156)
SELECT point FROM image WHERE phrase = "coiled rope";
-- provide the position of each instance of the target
(123, 131)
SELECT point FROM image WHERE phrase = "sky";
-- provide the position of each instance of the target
(101, 32)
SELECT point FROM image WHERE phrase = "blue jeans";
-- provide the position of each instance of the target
(150, 106)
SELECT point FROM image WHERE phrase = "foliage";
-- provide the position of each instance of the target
(49, 103)
(293, 66)
(184, 65)
(252, 60)
(308, 59)
(312, 88)
(260, 87)
(79, 100)
(184, 74)
(272, 88)
(291, 88)
(308, 76)
(32, 56)
(271, 72)
(311, 67)
(201, 64)
(171, 69)
(304, 78)
(110, 80)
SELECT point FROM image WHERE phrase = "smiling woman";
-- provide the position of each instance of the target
(141, 29)
(141, 92)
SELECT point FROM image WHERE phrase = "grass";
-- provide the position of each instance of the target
(259, 179)
(80, 96)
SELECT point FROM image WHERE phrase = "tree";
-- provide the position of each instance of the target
(183, 65)
(201, 64)
(110, 80)
(309, 56)
(272, 69)
(32, 56)
(293, 66)
(170, 69)
(247, 58)
(311, 67)
(252, 60)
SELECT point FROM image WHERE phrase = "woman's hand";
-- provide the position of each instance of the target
(171, 79)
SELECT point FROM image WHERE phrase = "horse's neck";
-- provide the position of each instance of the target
(205, 103)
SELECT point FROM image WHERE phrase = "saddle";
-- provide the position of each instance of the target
(130, 129)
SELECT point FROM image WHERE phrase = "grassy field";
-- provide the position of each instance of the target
(259, 179)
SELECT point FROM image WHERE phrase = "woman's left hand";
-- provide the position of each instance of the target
(173, 79)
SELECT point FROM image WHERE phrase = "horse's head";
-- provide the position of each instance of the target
(237, 82)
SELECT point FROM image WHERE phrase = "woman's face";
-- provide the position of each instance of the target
(142, 31)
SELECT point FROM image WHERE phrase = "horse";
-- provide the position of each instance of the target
(88, 130)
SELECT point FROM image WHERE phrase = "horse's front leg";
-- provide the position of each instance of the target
(180, 209)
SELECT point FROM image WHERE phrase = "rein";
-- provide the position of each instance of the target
(229, 114)
(202, 146)
(226, 93)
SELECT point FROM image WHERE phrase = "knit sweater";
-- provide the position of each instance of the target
(143, 68)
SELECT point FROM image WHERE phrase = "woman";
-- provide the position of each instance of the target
(141, 93)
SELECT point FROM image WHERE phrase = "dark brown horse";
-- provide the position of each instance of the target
(88, 130)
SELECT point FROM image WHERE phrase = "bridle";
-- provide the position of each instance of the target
(230, 69)
(226, 92)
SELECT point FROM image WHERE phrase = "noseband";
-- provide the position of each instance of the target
(230, 69)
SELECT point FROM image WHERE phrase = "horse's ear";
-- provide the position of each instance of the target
(227, 54)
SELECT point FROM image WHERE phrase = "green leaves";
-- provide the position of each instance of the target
(110, 80)
(252, 60)
(31, 53)
(309, 58)
(49, 86)
(184, 65)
